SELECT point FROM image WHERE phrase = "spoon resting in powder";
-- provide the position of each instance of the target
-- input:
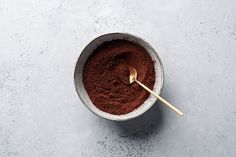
(132, 77)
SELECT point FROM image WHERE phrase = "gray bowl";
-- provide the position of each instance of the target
(88, 50)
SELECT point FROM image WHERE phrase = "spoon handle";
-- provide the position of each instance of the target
(160, 98)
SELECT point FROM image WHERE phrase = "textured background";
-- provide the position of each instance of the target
(40, 112)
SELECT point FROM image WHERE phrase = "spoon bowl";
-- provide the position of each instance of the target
(132, 74)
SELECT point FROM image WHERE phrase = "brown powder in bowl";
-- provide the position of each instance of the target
(105, 71)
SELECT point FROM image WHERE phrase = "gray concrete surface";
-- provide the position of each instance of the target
(40, 112)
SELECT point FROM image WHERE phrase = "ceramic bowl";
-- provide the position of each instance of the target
(89, 49)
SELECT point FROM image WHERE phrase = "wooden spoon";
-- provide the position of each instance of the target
(133, 78)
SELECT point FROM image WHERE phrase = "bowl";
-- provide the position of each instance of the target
(89, 49)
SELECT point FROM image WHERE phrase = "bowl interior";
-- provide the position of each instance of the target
(88, 50)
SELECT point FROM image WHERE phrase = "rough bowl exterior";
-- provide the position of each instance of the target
(88, 50)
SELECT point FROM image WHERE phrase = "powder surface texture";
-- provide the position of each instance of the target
(106, 70)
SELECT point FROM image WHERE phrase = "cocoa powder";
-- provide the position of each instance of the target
(106, 70)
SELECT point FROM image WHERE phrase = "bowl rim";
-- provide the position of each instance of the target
(135, 115)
